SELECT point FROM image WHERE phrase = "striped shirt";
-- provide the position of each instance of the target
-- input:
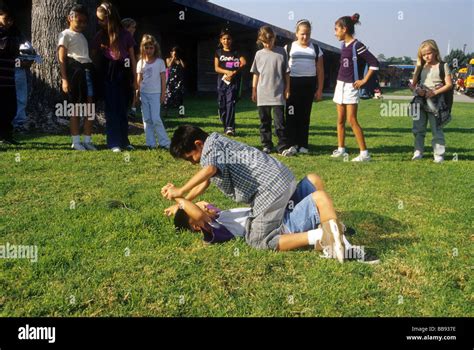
(346, 68)
(244, 173)
(302, 60)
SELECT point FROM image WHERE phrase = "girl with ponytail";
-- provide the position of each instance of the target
(354, 57)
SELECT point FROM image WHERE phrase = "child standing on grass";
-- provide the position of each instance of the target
(151, 75)
(354, 56)
(9, 50)
(113, 47)
(227, 63)
(76, 74)
(429, 83)
(131, 26)
(270, 90)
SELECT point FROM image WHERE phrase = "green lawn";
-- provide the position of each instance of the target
(115, 254)
(402, 91)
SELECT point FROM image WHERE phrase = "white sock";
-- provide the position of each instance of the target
(76, 139)
(87, 139)
(341, 149)
(314, 236)
(364, 153)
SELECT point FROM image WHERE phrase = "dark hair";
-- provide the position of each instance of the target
(177, 49)
(5, 10)
(78, 9)
(224, 31)
(349, 22)
(183, 139)
(181, 220)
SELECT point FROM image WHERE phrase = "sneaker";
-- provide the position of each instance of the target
(290, 152)
(89, 146)
(129, 148)
(230, 132)
(116, 149)
(361, 158)
(332, 242)
(303, 150)
(417, 155)
(267, 150)
(438, 159)
(337, 154)
(78, 147)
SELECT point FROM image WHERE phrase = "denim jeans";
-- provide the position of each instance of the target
(152, 122)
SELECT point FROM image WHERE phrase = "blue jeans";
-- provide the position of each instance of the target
(21, 97)
(226, 99)
(152, 122)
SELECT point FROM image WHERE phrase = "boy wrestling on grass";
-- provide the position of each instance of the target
(248, 175)
(302, 219)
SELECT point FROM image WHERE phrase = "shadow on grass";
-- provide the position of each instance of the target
(370, 227)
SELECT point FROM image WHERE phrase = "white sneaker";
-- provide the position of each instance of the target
(89, 146)
(338, 154)
(116, 150)
(303, 150)
(290, 152)
(332, 240)
(361, 158)
(438, 159)
(417, 155)
(78, 147)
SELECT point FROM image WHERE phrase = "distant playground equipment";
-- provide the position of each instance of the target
(460, 77)
(469, 80)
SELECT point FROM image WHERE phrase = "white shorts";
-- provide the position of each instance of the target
(345, 94)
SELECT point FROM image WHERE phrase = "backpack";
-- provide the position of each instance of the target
(448, 95)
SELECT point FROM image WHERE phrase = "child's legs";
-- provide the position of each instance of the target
(147, 119)
(309, 213)
(280, 127)
(160, 130)
(419, 130)
(74, 125)
(89, 120)
(230, 97)
(352, 118)
(341, 125)
(324, 205)
(316, 181)
(265, 114)
(438, 142)
(221, 102)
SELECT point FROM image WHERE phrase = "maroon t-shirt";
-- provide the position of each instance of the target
(126, 41)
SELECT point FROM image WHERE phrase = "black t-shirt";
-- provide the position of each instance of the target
(228, 60)
(9, 51)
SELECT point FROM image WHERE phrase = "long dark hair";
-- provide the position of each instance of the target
(349, 22)
(114, 25)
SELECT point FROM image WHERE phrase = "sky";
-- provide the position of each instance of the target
(392, 27)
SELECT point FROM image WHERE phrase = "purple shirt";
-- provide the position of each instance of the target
(346, 68)
(126, 42)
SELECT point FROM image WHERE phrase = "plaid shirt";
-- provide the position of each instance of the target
(244, 173)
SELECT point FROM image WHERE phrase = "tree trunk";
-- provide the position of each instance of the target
(48, 19)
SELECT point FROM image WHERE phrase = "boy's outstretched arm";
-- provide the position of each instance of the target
(195, 192)
(170, 191)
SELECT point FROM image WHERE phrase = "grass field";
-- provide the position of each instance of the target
(111, 252)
